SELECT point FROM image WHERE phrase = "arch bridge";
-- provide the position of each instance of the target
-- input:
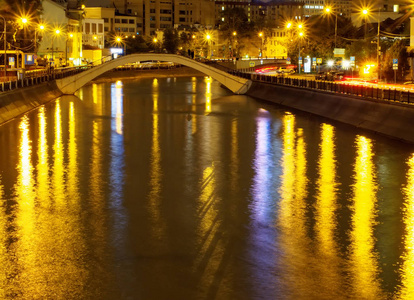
(71, 84)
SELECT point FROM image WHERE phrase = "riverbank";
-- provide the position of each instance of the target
(386, 118)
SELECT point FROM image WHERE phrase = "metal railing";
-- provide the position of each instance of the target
(39, 76)
(365, 92)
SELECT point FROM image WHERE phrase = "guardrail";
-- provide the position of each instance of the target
(361, 91)
(40, 76)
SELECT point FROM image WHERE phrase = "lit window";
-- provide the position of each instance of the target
(396, 8)
(222, 19)
(222, 8)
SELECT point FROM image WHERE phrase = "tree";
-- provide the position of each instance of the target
(399, 51)
(171, 40)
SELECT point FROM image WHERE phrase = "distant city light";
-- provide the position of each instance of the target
(330, 63)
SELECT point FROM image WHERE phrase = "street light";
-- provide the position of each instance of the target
(56, 32)
(41, 27)
(208, 38)
(365, 12)
(261, 48)
(300, 38)
(328, 10)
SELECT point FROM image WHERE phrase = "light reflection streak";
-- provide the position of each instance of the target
(210, 248)
(208, 81)
(58, 163)
(42, 165)
(292, 220)
(326, 205)
(234, 155)
(407, 267)
(25, 216)
(363, 256)
(263, 170)
(6, 267)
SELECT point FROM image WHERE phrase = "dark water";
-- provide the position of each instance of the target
(176, 189)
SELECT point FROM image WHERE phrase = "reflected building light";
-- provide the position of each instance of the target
(262, 186)
(363, 256)
(155, 103)
(25, 166)
(407, 266)
(117, 106)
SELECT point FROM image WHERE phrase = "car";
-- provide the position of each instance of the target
(321, 76)
(283, 70)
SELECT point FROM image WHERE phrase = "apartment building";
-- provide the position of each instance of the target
(258, 11)
(93, 32)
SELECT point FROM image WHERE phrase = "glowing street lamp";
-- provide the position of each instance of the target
(300, 38)
(365, 13)
(56, 32)
(261, 48)
(208, 38)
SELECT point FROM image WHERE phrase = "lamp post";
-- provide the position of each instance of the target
(378, 46)
(261, 48)
(328, 10)
(208, 38)
(70, 36)
(365, 13)
(5, 46)
(41, 28)
(56, 32)
(300, 38)
(155, 41)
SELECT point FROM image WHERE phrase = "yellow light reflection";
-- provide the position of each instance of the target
(4, 255)
(58, 166)
(95, 95)
(234, 155)
(326, 205)
(407, 267)
(72, 163)
(193, 84)
(363, 256)
(211, 244)
(208, 81)
(294, 241)
(25, 216)
(42, 165)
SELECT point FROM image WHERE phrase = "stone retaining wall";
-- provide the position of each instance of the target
(22, 100)
(391, 119)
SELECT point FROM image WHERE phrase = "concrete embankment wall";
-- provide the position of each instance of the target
(20, 101)
(391, 119)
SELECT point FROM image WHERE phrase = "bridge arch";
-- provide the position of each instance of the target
(71, 84)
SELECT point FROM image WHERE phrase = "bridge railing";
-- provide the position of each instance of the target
(365, 92)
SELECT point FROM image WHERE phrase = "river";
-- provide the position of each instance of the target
(173, 188)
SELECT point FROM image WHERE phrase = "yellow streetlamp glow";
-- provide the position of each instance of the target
(208, 37)
(57, 31)
(365, 11)
(23, 20)
(95, 37)
(260, 34)
(300, 26)
(194, 36)
(288, 25)
(155, 40)
(41, 27)
(118, 39)
(83, 6)
(71, 35)
(301, 34)
(234, 33)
